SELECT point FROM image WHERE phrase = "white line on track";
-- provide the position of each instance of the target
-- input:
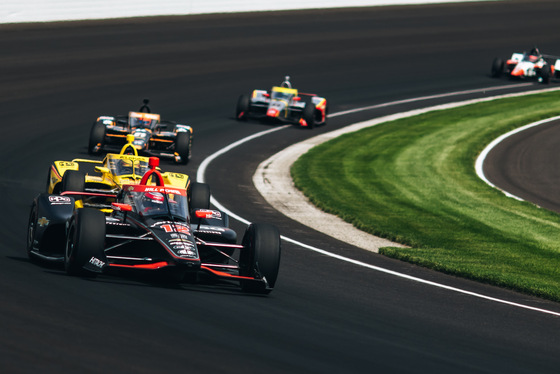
(204, 165)
(482, 157)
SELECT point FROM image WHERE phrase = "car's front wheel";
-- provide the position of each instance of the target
(96, 138)
(243, 108)
(85, 243)
(31, 230)
(309, 115)
(260, 257)
(497, 68)
(183, 146)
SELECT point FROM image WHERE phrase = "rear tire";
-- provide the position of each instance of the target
(85, 239)
(183, 146)
(96, 136)
(243, 108)
(260, 257)
(73, 180)
(200, 196)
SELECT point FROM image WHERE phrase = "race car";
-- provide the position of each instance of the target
(283, 104)
(532, 65)
(152, 228)
(108, 175)
(152, 136)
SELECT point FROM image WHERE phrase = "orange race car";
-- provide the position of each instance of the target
(152, 136)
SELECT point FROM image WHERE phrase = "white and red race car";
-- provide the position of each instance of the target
(532, 65)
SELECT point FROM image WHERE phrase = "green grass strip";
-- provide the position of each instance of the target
(413, 181)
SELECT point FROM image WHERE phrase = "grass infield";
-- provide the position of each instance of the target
(413, 181)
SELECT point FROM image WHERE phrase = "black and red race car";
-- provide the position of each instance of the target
(283, 104)
(152, 228)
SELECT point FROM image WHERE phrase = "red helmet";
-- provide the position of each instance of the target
(156, 197)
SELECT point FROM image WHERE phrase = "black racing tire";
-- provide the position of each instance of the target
(309, 115)
(243, 108)
(260, 256)
(497, 68)
(183, 146)
(31, 231)
(199, 196)
(96, 136)
(545, 74)
(73, 180)
(85, 239)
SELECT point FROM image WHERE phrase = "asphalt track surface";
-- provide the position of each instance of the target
(325, 316)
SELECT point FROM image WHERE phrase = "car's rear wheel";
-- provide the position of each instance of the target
(183, 146)
(84, 241)
(73, 180)
(96, 138)
(260, 257)
(243, 108)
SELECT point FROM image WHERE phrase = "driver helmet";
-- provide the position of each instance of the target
(154, 197)
(152, 200)
(125, 166)
(286, 82)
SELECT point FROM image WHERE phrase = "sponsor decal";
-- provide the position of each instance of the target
(114, 223)
(208, 214)
(178, 241)
(171, 227)
(179, 235)
(59, 200)
(213, 232)
(186, 253)
(163, 189)
(43, 221)
(96, 262)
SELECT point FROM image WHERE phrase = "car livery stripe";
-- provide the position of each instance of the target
(55, 171)
(155, 265)
(224, 274)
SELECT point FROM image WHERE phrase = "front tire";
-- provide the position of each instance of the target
(243, 108)
(96, 137)
(85, 240)
(183, 146)
(309, 115)
(545, 74)
(497, 68)
(260, 257)
(31, 230)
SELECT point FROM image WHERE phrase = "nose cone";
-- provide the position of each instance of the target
(517, 72)
(272, 112)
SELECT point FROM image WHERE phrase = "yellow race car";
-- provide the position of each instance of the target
(107, 175)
